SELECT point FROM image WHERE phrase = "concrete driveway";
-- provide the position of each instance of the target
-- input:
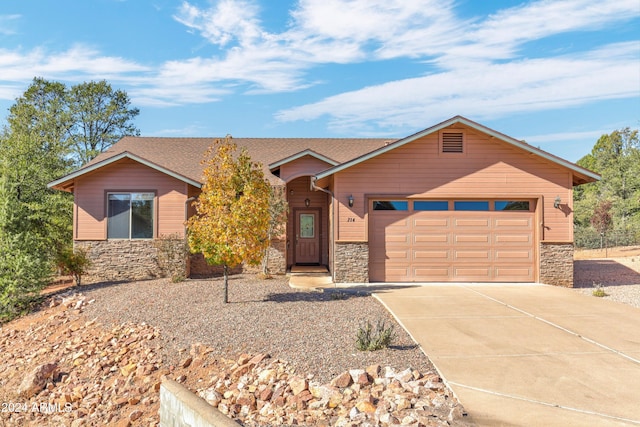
(526, 354)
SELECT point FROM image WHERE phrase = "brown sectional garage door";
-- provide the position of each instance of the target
(445, 246)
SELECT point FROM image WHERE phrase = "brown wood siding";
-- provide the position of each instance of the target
(127, 175)
(306, 165)
(488, 168)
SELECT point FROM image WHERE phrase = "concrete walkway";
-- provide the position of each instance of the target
(528, 355)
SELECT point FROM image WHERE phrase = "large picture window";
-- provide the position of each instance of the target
(130, 216)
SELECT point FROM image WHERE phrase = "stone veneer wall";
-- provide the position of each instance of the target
(198, 267)
(277, 257)
(556, 264)
(351, 262)
(121, 259)
(142, 259)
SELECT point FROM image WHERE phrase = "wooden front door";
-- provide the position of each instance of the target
(307, 237)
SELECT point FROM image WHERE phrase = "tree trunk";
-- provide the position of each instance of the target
(226, 283)
(265, 259)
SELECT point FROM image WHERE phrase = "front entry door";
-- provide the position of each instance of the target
(307, 237)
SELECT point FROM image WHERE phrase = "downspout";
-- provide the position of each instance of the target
(333, 198)
(186, 218)
(186, 213)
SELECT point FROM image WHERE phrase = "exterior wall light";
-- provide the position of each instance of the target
(307, 202)
(556, 202)
(350, 199)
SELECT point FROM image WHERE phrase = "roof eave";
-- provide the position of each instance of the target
(66, 182)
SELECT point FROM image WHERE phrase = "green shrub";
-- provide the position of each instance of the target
(23, 274)
(369, 338)
(74, 262)
(337, 296)
(598, 291)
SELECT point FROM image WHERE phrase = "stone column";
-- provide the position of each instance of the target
(556, 264)
(351, 262)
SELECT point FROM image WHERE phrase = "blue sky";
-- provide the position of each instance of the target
(557, 74)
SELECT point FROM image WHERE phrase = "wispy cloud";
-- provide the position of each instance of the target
(590, 135)
(8, 24)
(486, 91)
(472, 65)
(77, 63)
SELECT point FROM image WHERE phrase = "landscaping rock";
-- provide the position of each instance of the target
(112, 375)
(37, 379)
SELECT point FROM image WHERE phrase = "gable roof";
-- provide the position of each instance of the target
(182, 157)
(302, 154)
(581, 175)
(67, 180)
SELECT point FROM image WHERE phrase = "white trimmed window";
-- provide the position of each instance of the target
(130, 215)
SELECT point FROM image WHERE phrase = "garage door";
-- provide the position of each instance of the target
(441, 241)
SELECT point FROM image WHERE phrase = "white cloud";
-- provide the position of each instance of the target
(590, 135)
(226, 22)
(79, 61)
(473, 64)
(485, 91)
(7, 24)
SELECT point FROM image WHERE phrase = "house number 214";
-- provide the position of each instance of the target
(351, 219)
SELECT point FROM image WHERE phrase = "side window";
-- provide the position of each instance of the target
(130, 215)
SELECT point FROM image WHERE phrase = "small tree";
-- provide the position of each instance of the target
(278, 210)
(601, 219)
(232, 213)
(74, 262)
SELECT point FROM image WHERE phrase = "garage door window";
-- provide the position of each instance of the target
(390, 205)
(471, 205)
(512, 205)
(431, 205)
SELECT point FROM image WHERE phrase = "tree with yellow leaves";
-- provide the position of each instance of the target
(232, 213)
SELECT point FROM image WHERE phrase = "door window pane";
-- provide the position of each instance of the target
(118, 213)
(307, 226)
(142, 216)
(471, 205)
(390, 205)
(431, 205)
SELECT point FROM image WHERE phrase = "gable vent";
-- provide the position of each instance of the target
(452, 142)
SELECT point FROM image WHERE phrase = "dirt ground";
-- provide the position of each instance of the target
(617, 252)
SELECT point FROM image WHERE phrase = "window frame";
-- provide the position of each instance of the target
(153, 198)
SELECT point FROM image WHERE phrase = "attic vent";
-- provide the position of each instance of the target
(452, 142)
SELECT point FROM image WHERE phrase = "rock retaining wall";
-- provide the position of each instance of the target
(351, 262)
(556, 264)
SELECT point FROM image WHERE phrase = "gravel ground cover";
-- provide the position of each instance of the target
(618, 277)
(314, 331)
